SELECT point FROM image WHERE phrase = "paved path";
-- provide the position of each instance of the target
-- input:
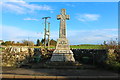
(58, 73)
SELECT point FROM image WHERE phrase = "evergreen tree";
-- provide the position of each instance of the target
(38, 42)
(43, 41)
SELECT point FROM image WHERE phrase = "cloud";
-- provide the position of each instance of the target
(1, 2)
(17, 34)
(74, 36)
(31, 19)
(51, 11)
(88, 36)
(88, 17)
(91, 36)
(14, 1)
(110, 29)
(13, 33)
(22, 7)
(68, 0)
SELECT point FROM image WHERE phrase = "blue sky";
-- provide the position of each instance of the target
(90, 22)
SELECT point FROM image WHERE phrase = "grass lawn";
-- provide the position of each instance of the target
(77, 47)
(83, 47)
(41, 47)
(86, 47)
(72, 46)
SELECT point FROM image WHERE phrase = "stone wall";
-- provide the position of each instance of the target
(15, 49)
(16, 56)
(91, 56)
(19, 56)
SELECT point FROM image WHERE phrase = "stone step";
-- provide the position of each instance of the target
(31, 77)
(62, 65)
(59, 63)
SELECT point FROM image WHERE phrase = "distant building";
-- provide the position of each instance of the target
(1, 41)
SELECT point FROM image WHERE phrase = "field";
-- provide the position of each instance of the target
(86, 46)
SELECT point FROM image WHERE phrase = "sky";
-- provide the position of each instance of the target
(90, 22)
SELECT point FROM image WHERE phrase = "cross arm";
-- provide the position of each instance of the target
(58, 17)
(67, 17)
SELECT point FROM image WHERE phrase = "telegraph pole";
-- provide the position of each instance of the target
(45, 18)
(48, 35)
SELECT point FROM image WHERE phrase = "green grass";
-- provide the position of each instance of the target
(42, 47)
(86, 47)
(83, 47)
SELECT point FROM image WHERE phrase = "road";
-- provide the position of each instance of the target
(93, 74)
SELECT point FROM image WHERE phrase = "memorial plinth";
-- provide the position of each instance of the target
(62, 51)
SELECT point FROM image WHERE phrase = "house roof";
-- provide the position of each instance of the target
(1, 40)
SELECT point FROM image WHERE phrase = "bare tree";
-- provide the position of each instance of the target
(28, 43)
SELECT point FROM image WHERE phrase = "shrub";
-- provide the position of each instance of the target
(113, 60)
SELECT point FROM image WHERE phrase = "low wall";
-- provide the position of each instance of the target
(91, 56)
(16, 56)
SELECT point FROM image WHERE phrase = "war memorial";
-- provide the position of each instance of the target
(63, 63)
(62, 51)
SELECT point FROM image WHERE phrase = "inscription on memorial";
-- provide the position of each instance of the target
(63, 42)
(63, 46)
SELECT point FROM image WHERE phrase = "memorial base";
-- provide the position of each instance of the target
(62, 52)
(63, 57)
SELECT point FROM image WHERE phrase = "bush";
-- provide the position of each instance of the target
(113, 65)
(113, 60)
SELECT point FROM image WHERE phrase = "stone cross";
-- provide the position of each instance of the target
(63, 17)
(62, 51)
